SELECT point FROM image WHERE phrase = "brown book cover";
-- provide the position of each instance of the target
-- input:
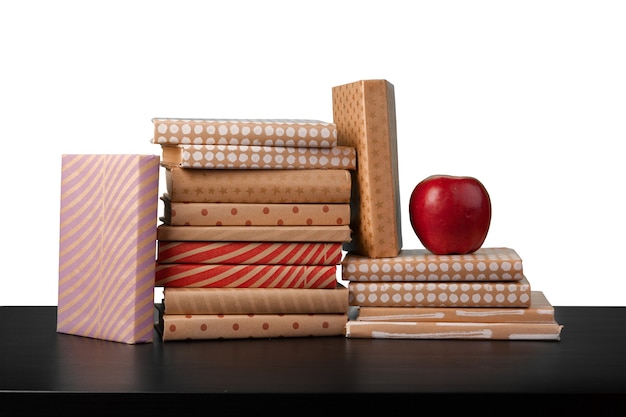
(255, 300)
(254, 233)
(258, 157)
(185, 327)
(258, 185)
(261, 132)
(249, 253)
(364, 112)
(245, 276)
(485, 264)
(251, 214)
(440, 294)
(539, 311)
(452, 330)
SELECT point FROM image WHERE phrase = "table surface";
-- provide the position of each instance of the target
(38, 363)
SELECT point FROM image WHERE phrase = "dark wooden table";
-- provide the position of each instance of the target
(46, 373)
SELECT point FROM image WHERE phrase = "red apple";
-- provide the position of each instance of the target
(450, 214)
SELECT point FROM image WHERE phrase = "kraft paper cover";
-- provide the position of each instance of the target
(255, 300)
(254, 233)
(260, 132)
(450, 330)
(258, 157)
(539, 311)
(258, 185)
(107, 246)
(244, 326)
(486, 264)
(364, 112)
(440, 294)
(242, 214)
(249, 253)
(243, 276)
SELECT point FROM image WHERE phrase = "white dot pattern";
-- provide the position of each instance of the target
(442, 294)
(486, 264)
(266, 157)
(262, 132)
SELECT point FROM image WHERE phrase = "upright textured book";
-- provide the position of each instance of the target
(364, 112)
(107, 246)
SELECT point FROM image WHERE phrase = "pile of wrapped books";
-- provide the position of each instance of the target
(255, 215)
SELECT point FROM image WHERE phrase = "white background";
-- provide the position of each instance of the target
(527, 96)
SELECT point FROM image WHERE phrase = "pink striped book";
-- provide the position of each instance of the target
(250, 253)
(245, 276)
(107, 247)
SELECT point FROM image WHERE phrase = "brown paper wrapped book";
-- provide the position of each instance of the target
(245, 326)
(258, 157)
(241, 214)
(264, 132)
(364, 112)
(258, 185)
(485, 264)
(440, 294)
(255, 300)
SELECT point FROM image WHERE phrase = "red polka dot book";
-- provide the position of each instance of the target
(251, 214)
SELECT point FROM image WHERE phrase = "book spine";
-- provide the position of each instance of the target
(539, 311)
(447, 330)
(255, 300)
(364, 112)
(249, 253)
(235, 326)
(327, 234)
(260, 132)
(245, 276)
(258, 185)
(486, 264)
(440, 294)
(258, 157)
(240, 214)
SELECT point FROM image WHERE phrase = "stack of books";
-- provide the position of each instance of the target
(396, 292)
(255, 216)
(419, 295)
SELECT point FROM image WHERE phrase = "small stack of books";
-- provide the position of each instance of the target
(255, 215)
(419, 295)
(396, 292)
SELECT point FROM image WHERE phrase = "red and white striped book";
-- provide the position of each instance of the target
(245, 276)
(249, 253)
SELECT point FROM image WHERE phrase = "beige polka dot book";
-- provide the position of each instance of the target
(265, 218)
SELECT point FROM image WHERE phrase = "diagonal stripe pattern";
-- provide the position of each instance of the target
(107, 246)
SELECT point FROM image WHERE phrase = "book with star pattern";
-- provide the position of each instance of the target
(258, 185)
